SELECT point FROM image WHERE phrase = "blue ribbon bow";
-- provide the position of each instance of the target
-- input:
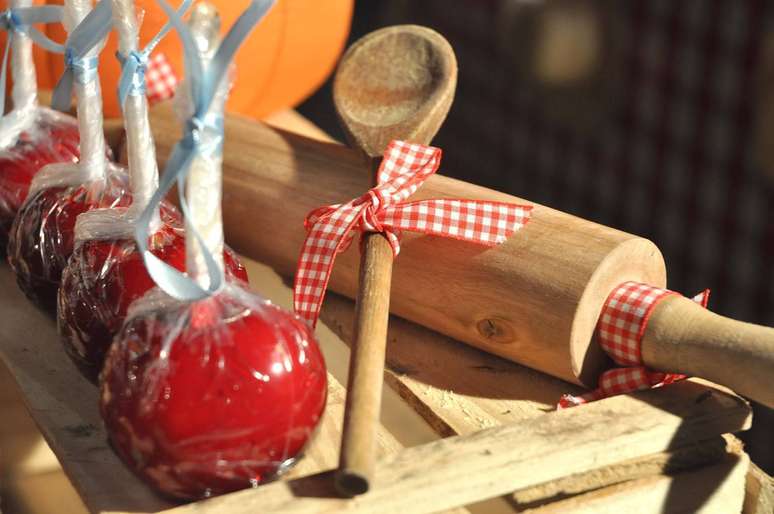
(88, 34)
(204, 84)
(21, 20)
(133, 66)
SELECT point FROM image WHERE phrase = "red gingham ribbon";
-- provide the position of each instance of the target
(620, 328)
(160, 79)
(403, 170)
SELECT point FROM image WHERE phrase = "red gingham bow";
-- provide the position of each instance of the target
(621, 327)
(160, 79)
(403, 170)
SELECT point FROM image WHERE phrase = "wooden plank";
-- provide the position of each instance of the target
(41, 493)
(64, 406)
(701, 453)
(717, 489)
(463, 469)
(22, 449)
(759, 489)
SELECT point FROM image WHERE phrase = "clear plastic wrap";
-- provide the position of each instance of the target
(42, 235)
(210, 395)
(49, 137)
(106, 273)
(31, 136)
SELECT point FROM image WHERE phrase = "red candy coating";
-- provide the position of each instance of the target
(101, 280)
(49, 140)
(212, 396)
(41, 237)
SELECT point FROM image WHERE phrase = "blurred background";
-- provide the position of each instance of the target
(652, 116)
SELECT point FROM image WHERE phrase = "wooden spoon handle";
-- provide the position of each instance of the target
(682, 337)
(366, 367)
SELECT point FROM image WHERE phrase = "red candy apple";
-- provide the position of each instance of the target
(211, 396)
(49, 140)
(103, 277)
(41, 237)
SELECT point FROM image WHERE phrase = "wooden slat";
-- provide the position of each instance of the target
(463, 469)
(759, 489)
(717, 489)
(701, 453)
(64, 406)
(41, 493)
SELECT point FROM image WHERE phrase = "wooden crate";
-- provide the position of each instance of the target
(498, 435)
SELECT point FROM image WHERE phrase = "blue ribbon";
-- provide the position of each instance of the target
(21, 20)
(204, 84)
(133, 66)
(88, 34)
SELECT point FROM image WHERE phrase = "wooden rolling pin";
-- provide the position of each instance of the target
(534, 299)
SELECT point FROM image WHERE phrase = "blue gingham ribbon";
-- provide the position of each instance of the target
(203, 82)
(21, 20)
(78, 66)
(134, 65)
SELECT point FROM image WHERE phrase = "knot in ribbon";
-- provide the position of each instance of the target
(202, 136)
(10, 21)
(133, 66)
(20, 20)
(79, 66)
(84, 69)
(404, 168)
(132, 79)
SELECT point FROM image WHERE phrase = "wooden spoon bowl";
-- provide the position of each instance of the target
(395, 83)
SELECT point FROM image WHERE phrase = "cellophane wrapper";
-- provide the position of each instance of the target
(106, 273)
(205, 397)
(30, 138)
(42, 235)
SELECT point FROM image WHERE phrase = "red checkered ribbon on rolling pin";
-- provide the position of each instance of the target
(403, 170)
(620, 329)
(160, 79)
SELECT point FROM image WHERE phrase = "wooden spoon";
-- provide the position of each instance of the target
(395, 83)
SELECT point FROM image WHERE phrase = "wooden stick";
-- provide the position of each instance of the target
(141, 152)
(366, 367)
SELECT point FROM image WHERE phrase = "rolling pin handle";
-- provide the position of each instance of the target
(682, 337)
